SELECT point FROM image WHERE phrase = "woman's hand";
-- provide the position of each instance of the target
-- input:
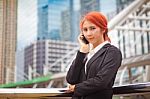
(83, 47)
(71, 89)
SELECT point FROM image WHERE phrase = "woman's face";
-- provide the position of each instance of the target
(92, 33)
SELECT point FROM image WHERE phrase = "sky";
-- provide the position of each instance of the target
(108, 6)
(27, 21)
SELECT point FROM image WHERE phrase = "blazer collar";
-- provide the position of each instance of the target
(97, 54)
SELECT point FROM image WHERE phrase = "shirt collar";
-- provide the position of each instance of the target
(99, 46)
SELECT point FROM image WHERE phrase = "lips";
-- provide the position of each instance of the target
(90, 38)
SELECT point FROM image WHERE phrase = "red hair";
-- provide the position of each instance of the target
(99, 20)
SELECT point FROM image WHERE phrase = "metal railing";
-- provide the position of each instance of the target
(55, 93)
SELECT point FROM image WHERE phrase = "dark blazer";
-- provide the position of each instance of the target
(101, 72)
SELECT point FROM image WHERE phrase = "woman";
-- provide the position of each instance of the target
(92, 73)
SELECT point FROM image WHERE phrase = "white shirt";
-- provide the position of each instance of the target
(93, 51)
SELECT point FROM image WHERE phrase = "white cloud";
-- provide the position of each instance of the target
(27, 22)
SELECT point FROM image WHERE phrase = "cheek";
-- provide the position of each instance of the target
(98, 34)
(97, 30)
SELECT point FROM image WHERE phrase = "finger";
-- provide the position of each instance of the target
(81, 36)
(69, 86)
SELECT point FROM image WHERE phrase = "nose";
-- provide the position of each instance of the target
(89, 32)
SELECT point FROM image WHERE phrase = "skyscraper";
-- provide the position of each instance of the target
(66, 26)
(89, 5)
(42, 19)
(8, 33)
(50, 13)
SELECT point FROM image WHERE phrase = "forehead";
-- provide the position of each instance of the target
(88, 24)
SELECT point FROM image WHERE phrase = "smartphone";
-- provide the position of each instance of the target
(85, 40)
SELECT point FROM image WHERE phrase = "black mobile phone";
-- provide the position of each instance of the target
(85, 40)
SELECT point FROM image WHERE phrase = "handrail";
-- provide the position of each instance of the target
(124, 90)
(27, 82)
(37, 80)
(121, 17)
(131, 89)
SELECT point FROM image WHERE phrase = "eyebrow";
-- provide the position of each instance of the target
(89, 26)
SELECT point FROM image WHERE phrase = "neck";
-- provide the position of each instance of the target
(97, 43)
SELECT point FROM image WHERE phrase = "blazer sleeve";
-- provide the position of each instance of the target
(73, 75)
(104, 77)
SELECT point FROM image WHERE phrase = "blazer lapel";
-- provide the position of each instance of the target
(96, 55)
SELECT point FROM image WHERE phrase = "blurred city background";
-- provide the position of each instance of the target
(38, 39)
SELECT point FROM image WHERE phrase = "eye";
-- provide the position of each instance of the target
(85, 29)
(92, 28)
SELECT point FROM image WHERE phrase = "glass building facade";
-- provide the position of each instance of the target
(89, 5)
(54, 19)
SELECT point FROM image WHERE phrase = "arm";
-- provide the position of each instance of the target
(104, 77)
(73, 74)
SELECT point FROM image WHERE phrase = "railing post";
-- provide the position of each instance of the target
(147, 73)
(122, 74)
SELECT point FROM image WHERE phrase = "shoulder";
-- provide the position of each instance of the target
(114, 50)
